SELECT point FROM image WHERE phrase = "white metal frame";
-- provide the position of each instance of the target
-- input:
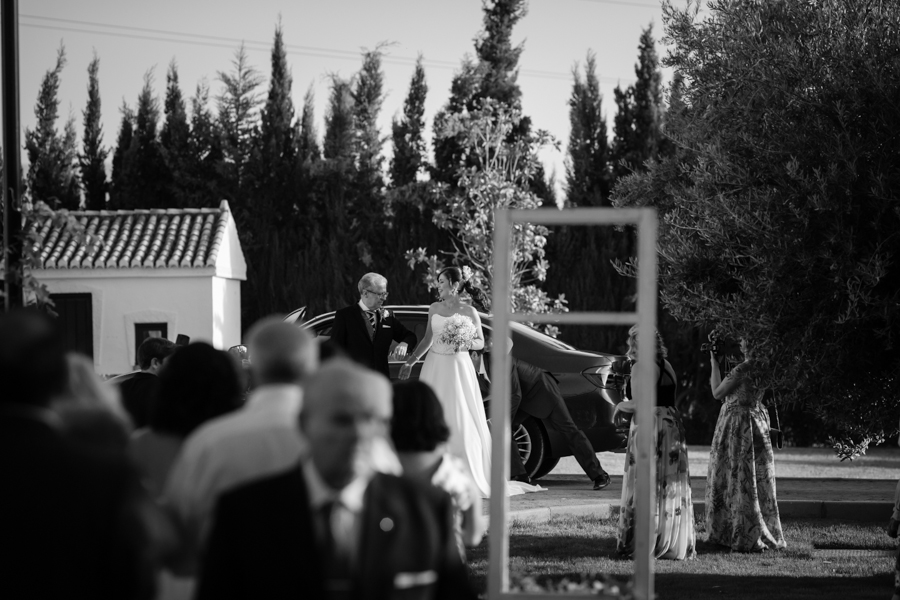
(645, 317)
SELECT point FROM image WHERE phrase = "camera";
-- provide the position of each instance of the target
(714, 345)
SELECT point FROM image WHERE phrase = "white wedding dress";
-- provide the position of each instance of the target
(452, 376)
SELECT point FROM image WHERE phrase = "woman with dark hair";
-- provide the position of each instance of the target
(198, 383)
(452, 330)
(741, 508)
(420, 436)
(674, 511)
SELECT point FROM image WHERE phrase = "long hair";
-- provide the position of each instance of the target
(661, 350)
(479, 298)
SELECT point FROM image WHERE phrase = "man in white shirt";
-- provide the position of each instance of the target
(258, 440)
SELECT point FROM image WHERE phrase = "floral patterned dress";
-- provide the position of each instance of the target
(741, 509)
(674, 515)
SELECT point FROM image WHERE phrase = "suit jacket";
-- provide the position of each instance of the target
(139, 397)
(69, 516)
(263, 543)
(351, 333)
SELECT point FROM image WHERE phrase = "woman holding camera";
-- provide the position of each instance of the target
(674, 514)
(741, 509)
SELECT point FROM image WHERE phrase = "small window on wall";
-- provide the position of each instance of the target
(142, 331)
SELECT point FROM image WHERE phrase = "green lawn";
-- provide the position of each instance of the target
(567, 546)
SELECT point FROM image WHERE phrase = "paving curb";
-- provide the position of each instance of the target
(795, 509)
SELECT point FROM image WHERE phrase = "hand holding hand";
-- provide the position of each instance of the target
(400, 350)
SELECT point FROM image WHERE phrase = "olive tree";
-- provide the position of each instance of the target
(780, 209)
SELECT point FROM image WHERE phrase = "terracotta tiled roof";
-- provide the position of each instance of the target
(155, 238)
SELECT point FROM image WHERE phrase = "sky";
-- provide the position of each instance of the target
(323, 37)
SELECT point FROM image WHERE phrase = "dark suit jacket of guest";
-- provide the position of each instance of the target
(69, 516)
(351, 333)
(139, 397)
(263, 544)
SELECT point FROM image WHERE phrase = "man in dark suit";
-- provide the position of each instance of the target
(534, 392)
(139, 390)
(331, 527)
(70, 514)
(365, 329)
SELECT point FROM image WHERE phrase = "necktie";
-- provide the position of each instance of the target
(372, 316)
(335, 548)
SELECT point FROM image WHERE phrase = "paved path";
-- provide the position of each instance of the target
(810, 482)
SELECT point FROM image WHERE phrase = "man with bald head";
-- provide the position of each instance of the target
(258, 440)
(333, 527)
(365, 329)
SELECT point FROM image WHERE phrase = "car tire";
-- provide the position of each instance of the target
(548, 465)
(531, 434)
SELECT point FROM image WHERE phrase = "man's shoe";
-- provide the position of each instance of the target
(601, 481)
(523, 478)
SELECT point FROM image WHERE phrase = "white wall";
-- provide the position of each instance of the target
(193, 302)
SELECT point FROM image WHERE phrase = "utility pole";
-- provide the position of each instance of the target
(12, 168)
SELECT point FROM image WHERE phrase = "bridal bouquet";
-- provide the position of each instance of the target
(459, 333)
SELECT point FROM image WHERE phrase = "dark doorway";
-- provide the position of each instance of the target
(75, 321)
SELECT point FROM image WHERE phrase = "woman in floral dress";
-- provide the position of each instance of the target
(741, 509)
(674, 515)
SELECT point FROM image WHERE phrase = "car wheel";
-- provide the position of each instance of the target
(531, 435)
(548, 465)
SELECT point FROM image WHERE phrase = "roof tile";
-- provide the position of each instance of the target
(150, 239)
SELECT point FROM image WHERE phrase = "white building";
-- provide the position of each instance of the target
(148, 273)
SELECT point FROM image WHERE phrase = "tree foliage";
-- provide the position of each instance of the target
(92, 160)
(410, 157)
(503, 166)
(638, 121)
(238, 112)
(779, 211)
(53, 159)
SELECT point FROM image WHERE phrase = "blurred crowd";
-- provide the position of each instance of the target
(295, 475)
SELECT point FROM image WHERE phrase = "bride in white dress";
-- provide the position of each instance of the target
(451, 375)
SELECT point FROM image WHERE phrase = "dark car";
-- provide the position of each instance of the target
(590, 382)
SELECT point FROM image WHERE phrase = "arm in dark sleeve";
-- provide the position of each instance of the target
(400, 333)
(339, 330)
(515, 390)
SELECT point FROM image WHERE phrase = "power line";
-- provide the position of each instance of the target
(294, 49)
(623, 3)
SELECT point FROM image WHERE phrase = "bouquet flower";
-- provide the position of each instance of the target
(459, 333)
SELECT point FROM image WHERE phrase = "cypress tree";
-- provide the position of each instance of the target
(637, 131)
(498, 59)
(587, 168)
(174, 139)
(93, 156)
(448, 149)
(52, 172)
(237, 111)
(308, 140)
(204, 151)
(408, 132)
(338, 141)
(146, 187)
(368, 96)
(276, 133)
(121, 161)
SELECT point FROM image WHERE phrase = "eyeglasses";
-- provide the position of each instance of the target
(382, 295)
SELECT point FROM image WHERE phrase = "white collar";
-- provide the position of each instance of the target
(365, 308)
(278, 394)
(320, 493)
